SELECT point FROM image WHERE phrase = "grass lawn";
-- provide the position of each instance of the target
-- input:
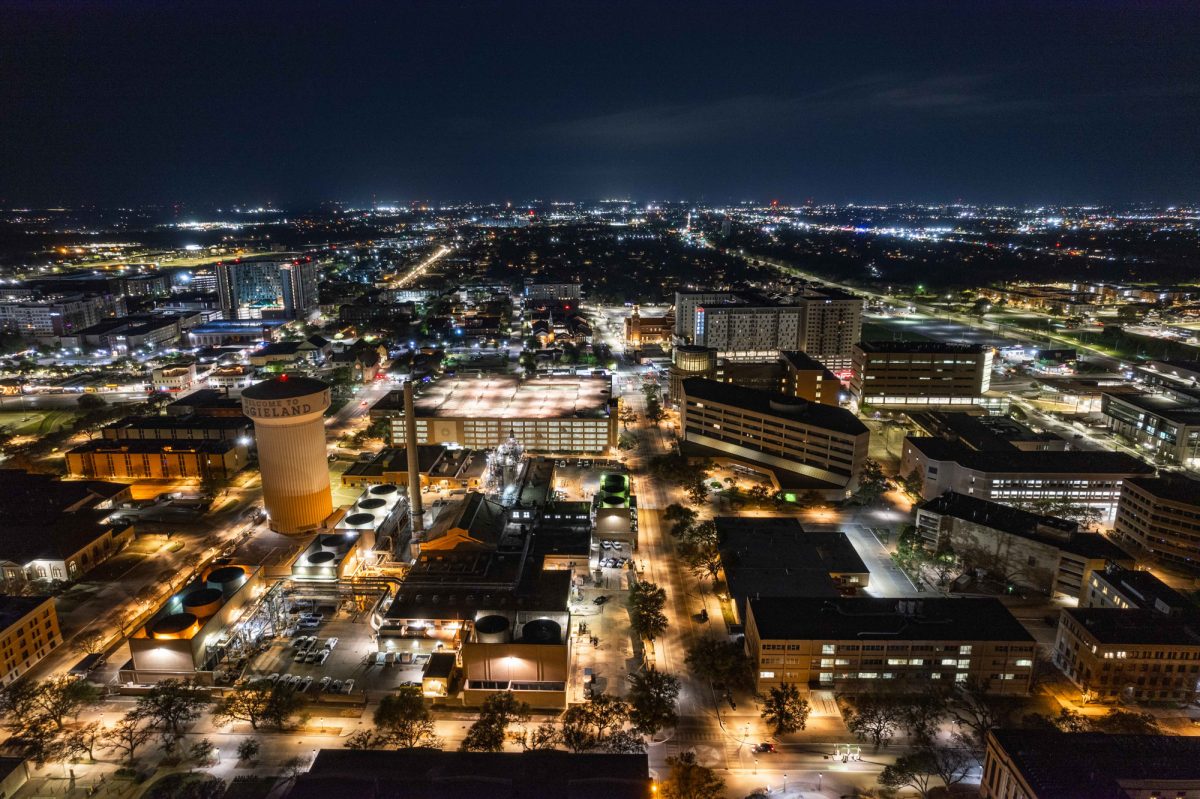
(35, 423)
(1132, 345)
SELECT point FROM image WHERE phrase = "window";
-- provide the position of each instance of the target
(766, 675)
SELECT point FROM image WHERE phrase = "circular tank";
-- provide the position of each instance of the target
(359, 520)
(331, 542)
(203, 602)
(493, 630)
(614, 483)
(383, 490)
(227, 578)
(177, 625)
(373, 505)
(541, 631)
(321, 558)
(612, 500)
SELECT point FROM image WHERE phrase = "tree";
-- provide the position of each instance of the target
(784, 709)
(681, 518)
(654, 411)
(53, 700)
(173, 704)
(979, 712)
(703, 533)
(920, 714)
(89, 643)
(590, 726)
(722, 663)
(652, 700)
(1126, 722)
(490, 730)
(704, 560)
(201, 752)
(248, 750)
(544, 736)
(259, 702)
(82, 741)
(127, 735)
(919, 769)
(759, 493)
(690, 780)
(646, 603)
(91, 402)
(913, 484)
(403, 719)
(872, 483)
(874, 717)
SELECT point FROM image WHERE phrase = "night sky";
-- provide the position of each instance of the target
(255, 102)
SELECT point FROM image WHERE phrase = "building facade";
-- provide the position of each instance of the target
(28, 632)
(1166, 425)
(269, 287)
(805, 444)
(862, 644)
(1159, 517)
(158, 459)
(919, 373)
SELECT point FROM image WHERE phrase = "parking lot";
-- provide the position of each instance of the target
(353, 657)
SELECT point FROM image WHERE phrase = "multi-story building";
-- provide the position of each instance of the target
(809, 379)
(158, 458)
(268, 287)
(559, 292)
(59, 316)
(920, 373)
(1127, 589)
(793, 373)
(1166, 425)
(544, 414)
(1016, 547)
(996, 433)
(824, 323)
(1016, 477)
(803, 445)
(57, 530)
(1046, 764)
(177, 428)
(1115, 654)
(642, 331)
(1159, 518)
(28, 632)
(854, 644)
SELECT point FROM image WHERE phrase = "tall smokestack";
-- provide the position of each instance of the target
(416, 513)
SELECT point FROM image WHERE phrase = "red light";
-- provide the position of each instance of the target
(283, 378)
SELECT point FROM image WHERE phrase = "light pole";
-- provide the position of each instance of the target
(820, 779)
(785, 782)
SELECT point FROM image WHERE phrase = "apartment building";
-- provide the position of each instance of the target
(58, 316)
(558, 292)
(919, 373)
(1032, 551)
(854, 644)
(28, 632)
(1114, 654)
(1046, 764)
(1127, 589)
(1016, 477)
(1159, 518)
(804, 445)
(268, 287)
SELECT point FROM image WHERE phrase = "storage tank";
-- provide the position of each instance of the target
(493, 629)
(541, 631)
(375, 506)
(387, 490)
(177, 625)
(226, 579)
(359, 521)
(203, 602)
(331, 542)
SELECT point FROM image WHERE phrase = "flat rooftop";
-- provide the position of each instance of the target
(1124, 626)
(1089, 765)
(871, 619)
(771, 403)
(15, 608)
(508, 397)
(778, 558)
(1174, 487)
(918, 347)
(1074, 462)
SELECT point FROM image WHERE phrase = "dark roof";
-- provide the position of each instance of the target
(773, 403)
(1123, 626)
(181, 422)
(395, 459)
(776, 557)
(803, 362)
(985, 433)
(918, 346)
(15, 608)
(1175, 410)
(1173, 487)
(1071, 462)
(285, 387)
(869, 618)
(156, 445)
(1089, 765)
(435, 774)
(279, 348)
(1146, 589)
(44, 518)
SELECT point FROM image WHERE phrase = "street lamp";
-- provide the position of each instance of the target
(820, 778)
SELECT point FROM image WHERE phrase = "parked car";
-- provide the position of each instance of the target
(322, 656)
(324, 683)
(600, 600)
(305, 684)
(312, 655)
(348, 687)
(336, 687)
(765, 747)
(331, 643)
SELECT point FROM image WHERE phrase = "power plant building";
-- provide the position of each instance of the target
(288, 415)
